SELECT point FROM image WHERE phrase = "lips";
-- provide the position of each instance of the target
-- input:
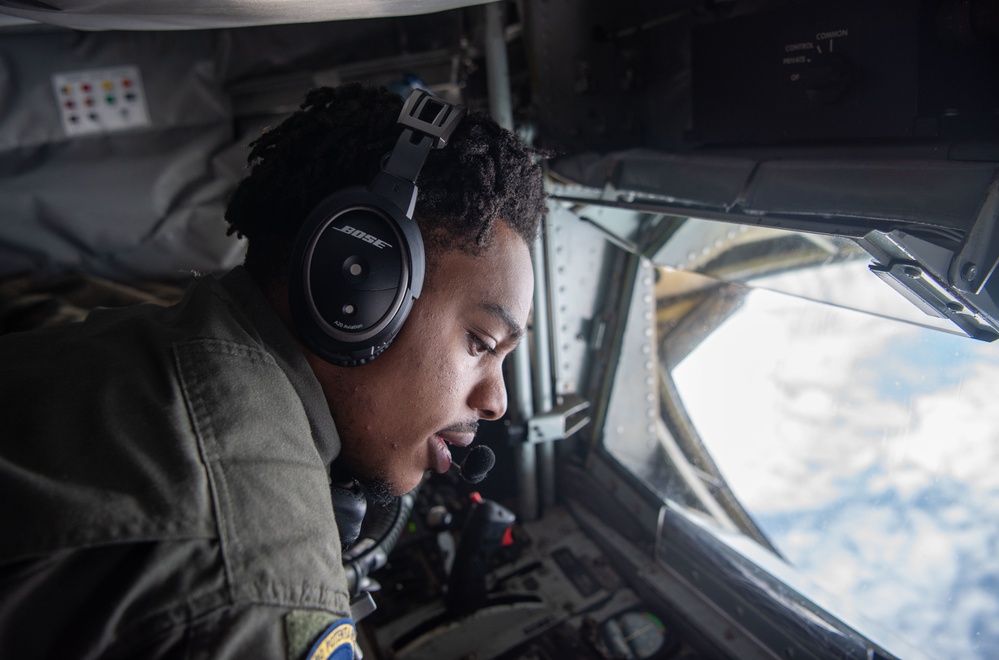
(441, 455)
(457, 438)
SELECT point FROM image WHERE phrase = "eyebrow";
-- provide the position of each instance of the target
(503, 313)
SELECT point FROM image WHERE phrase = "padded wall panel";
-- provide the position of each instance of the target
(140, 203)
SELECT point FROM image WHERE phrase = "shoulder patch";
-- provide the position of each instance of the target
(318, 634)
(336, 642)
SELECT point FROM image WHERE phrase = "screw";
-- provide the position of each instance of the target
(969, 271)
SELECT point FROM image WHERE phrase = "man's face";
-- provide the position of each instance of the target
(398, 415)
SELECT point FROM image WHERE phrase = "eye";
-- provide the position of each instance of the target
(478, 346)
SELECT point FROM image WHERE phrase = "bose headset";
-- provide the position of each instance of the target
(359, 261)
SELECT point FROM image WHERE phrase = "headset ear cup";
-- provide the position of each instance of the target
(354, 276)
(364, 355)
(358, 261)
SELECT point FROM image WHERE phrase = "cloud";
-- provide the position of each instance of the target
(868, 450)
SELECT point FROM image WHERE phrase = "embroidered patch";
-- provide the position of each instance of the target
(336, 642)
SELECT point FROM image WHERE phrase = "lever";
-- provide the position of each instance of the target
(481, 536)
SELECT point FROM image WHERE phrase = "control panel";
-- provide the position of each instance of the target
(98, 101)
(467, 581)
(849, 69)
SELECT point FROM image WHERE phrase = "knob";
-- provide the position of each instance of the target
(826, 78)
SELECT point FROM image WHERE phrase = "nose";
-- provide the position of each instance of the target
(488, 397)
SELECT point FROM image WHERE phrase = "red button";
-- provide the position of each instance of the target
(507, 537)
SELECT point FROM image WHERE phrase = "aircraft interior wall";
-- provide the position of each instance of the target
(696, 160)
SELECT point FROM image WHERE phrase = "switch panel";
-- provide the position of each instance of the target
(101, 100)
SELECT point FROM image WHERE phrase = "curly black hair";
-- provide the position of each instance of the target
(338, 138)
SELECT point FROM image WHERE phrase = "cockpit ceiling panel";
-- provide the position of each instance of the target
(168, 15)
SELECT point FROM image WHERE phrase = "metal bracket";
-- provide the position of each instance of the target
(918, 270)
(979, 254)
(362, 605)
(553, 425)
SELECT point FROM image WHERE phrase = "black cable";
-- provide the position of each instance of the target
(371, 551)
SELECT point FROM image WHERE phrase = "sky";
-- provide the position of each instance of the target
(868, 451)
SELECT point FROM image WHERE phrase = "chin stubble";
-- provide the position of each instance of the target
(377, 491)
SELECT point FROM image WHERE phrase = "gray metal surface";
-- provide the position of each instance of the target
(832, 187)
(578, 252)
(630, 426)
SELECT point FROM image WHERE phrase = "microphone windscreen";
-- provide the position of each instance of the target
(479, 461)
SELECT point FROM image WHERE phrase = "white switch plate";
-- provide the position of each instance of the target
(101, 100)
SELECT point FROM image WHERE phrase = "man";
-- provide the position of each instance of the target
(165, 472)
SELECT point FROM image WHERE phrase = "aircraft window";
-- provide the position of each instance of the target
(796, 407)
